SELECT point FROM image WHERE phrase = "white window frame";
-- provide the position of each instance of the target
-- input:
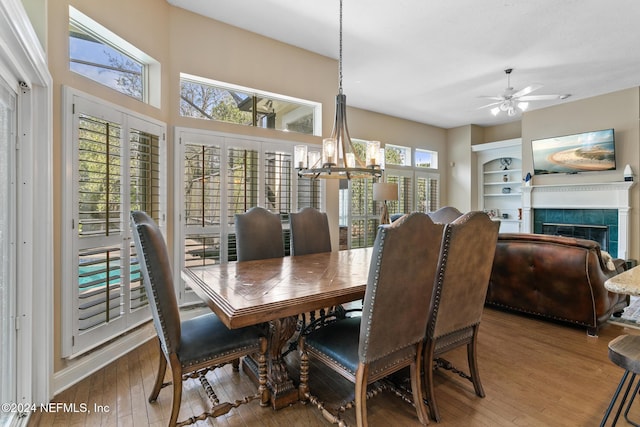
(408, 154)
(151, 80)
(434, 158)
(74, 343)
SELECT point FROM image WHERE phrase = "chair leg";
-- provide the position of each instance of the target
(303, 387)
(473, 363)
(615, 397)
(162, 369)
(428, 380)
(176, 373)
(626, 411)
(362, 374)
(416, 386)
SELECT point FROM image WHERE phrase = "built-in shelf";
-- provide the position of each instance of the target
(493, 178)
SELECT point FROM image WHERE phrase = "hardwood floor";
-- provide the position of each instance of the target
(535, 373)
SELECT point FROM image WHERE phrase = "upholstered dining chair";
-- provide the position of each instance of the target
(445, 215)
(389, 335)
(309, 232)
(464, 267)
(195, 346)
(258, 235)
(309, 235)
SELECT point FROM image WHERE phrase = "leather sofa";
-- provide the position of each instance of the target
(554, 277)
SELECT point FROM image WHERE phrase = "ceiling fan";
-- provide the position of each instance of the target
(510, 98)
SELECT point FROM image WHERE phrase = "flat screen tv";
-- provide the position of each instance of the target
(582, 152)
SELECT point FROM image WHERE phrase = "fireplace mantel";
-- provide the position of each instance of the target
(605, 195)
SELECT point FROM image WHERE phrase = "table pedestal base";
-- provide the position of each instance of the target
(281, 388)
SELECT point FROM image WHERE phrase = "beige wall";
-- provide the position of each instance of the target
(461, 172)
(185, 42)
(502, 132)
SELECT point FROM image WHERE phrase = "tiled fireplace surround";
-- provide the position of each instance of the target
(587, 204)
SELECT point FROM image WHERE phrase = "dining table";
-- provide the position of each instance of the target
(272, 293)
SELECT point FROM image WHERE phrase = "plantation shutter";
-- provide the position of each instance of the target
(100, 284)
(364, 220)
(404, 204)
(309, 193)
(115, 159)
(427, 192)
(201, 204)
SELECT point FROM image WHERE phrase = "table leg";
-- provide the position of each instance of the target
(281, 388)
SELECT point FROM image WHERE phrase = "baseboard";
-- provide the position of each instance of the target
(84, 366)
(80, 368)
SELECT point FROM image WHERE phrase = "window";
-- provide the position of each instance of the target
(427, 191)
(212, 100)
(100, 55)
(222, 176)
(360, 215)
(397, 155)
(117, 159)
(358, 212)
(426, 159)
(405, 181)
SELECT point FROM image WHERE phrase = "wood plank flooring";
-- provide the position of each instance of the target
(535, 373)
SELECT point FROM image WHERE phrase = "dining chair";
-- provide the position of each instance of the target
(464, 267)
(310, 235)
(258, 235)
(389, 334)
(309, 232)
(191, 347)
(445, 215)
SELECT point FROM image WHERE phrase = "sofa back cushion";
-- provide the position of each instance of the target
(547, 275)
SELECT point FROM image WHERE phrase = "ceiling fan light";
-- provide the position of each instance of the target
(495, 111)
(523, 106)
(504, 106)
(511, 111)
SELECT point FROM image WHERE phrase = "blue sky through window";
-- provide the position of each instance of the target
(104, 64)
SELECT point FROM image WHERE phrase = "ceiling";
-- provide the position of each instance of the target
(430, 60)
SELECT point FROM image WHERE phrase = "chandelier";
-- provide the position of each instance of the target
(339, 159)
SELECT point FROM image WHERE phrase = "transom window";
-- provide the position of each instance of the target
(212, 100)
(426, 159)
(102, 56)
(397, 155)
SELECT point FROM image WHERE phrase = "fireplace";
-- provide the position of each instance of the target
(597, 233)
(592, 204)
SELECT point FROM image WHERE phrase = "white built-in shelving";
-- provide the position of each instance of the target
(500, 182)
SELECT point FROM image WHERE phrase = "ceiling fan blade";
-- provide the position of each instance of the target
(527, 90)
(495, 98)
(491, 105)
(538, 97)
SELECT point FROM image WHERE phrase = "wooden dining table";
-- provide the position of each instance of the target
(272, 293)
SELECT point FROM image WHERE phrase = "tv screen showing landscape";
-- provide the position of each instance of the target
(582, 152)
